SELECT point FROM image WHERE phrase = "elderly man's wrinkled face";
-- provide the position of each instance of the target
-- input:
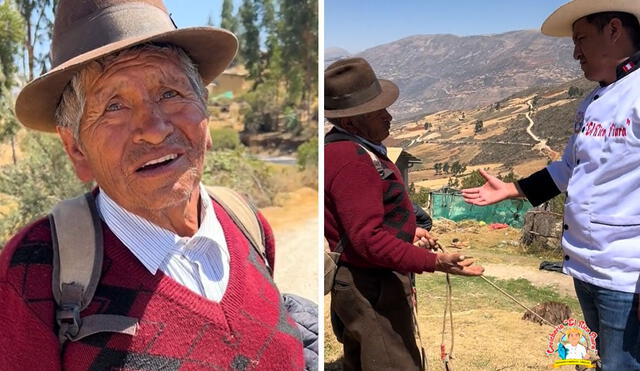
(143, 133)
(373, 126)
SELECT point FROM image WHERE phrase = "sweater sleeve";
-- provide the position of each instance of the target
(26, 343)
(357, 192)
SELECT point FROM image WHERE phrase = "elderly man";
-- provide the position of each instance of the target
(370, 219)
(179, 284)
(599, 173)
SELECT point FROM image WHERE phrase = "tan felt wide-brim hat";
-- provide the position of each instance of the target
(560, 23)
(351, 88)
(109, 29)
(388, 95)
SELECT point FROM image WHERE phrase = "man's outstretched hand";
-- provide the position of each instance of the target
(494, 190)
(457, 264)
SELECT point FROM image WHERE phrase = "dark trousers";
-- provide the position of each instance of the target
(372, 317)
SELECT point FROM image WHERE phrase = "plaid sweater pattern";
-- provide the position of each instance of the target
(178, 329)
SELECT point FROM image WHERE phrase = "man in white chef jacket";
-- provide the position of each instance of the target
(600, 173)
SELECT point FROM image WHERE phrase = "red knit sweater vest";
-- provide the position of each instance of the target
(178, 329)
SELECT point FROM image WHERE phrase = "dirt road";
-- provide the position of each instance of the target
(295, 225)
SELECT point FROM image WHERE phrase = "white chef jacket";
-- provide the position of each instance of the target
(600, 171)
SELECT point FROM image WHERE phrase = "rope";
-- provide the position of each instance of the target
(447, 357)
(444, 356)
(516, 301)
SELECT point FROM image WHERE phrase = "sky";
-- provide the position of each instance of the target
(356, 25)
(190, 13)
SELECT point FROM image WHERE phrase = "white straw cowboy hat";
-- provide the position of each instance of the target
(86, 30)
(560, 23)
(351, 88)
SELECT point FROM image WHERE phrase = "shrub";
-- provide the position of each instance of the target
(33, 186)
(241, 171)
(308, 154)
(225, 138)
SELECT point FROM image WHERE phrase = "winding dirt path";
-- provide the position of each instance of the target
(542, 145)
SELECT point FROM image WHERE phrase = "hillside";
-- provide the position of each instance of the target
(508, 141)
(437, 72)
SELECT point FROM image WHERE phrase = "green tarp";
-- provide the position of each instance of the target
(452, 206)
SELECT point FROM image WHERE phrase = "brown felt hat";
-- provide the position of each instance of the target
(560, 23)
(86, 30)
(351, 88)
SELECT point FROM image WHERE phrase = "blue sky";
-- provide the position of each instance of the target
(356, 25)
(188, 13)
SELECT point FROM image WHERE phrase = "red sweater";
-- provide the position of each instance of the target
(178, 329)
(375, 215)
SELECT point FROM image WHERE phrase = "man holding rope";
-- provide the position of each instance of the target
(599, 173)
(369, 217)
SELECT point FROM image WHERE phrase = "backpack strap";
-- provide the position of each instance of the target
(76, 234)
(244, 216)
(341, 137)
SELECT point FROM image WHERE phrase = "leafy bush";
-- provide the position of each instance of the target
(473, 180)
(36, 183)
(420, 197)
(225, 138)
(308, 154)
(292, 123)
(239, 170)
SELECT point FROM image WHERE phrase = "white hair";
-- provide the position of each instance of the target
(71, 106)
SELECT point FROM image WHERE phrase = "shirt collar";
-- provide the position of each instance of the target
(149, 242)
(380, 148)
(628, 65)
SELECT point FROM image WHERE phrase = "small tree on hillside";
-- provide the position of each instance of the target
(574, 92)
(478, 126)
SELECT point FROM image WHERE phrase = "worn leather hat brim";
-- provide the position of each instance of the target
(560, 23)
(386, 98)
(211, 49)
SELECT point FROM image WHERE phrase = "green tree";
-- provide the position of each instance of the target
(12, 34)
(437, 167)
(445, 168)
(250, 36)
(574, 92)
(299, 35)
(227, 19)
(478, 126)
(38, 19)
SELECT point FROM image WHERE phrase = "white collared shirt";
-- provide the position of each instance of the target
(200, 262)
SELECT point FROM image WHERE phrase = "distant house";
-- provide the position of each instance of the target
(233, 80)
(403, 160)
